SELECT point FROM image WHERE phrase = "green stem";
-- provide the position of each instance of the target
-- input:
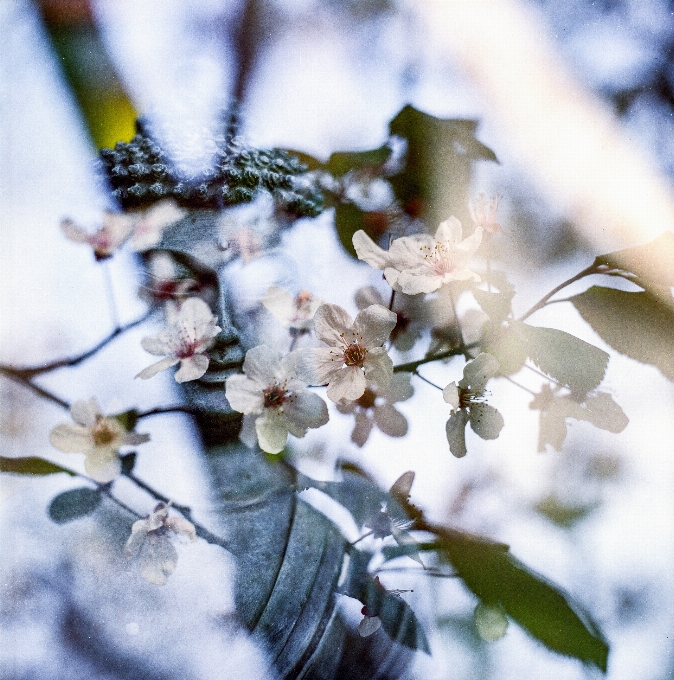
(412, 366)
(592, 269)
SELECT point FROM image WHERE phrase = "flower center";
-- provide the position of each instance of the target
(187, 349)
(354, 355)
(466, 398)
(440, 259)
(275, 396)
(103, 434)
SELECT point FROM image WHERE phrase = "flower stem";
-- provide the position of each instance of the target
(426, 380)
(592, 269)
(412, 366)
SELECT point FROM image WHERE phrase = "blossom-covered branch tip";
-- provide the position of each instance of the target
(354, 354)
(191, 331)
(423, 263)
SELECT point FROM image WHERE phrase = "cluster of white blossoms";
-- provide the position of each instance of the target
(144, 227)
(191, 330)
(98, 437)
(423, 263)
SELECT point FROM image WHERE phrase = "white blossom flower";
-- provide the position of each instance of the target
(117, 227)
(375, 407)
(273, 399)
(483, 213)
(467, 402)
(295, 312)
(191, 331)
(411, 312)
(150, 542)
(98, 437)
(598, 409)
(491, 621)
(423, 263)
(355, 353)
(149, 225)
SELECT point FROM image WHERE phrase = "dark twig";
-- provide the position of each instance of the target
(26, 382)
(412, 366)
(29, 372)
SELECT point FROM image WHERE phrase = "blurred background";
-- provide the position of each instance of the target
(577, 100)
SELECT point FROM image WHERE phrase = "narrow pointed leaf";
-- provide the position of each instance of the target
(31, 466)
(342, 162)
(492, 573)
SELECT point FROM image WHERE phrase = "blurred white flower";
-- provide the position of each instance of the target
(149, 225)
(150, 542)
(355, 353)
(191, 331)
(598, 409)
(411, 312)
(98, 437)
(483, 213)
(273, 399)
(164, 283)
(117, 227)
(468, 405)
(375, 407)
(491, 621)
(423, 263)
(295, 312)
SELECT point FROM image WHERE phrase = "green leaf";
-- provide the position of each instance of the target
(563, 514)
(491, 572)
(391, 552)
(31, 466)
(497, 306)
(652, 261)
(505, 345)
(74, 504)
(435, 181)
(571, 361)
(634, 324)
(342, 162)
(128, 419)
(349, 218)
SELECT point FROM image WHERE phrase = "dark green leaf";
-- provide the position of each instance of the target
(74, 504)
(128, 462)
(391, 552)
(435, 181)
(635, 324)
(571, 361)
(505, 345)
(563, 514)
(349, 218)
(342, 162)
(652, 261)
(551, 616)
(128, 419)
(31, 466)
(496, 305)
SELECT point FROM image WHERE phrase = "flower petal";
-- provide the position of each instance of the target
(451, 395)
(378, 367)
(103, 466)
(158, 559)
(73, 232)
(477, 372)
(330, 322)
(135, 438)
(192, 368)
(244, 395)
(449, 232)
(369, 625)
(486, 421)
(307, 409)
(182, 527)
(262, 364)
(247, 433)
(162, 344)
(368, 295)
(456, 432)
(416, 281)
(157, 368)
(374, 324)
(281, 304)
(317, 365)
(71, 438)
(85, 412)
(347, 384)
(272, 433)
(368, 251)
(390, 421)
(196, 320)
(362, 429)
